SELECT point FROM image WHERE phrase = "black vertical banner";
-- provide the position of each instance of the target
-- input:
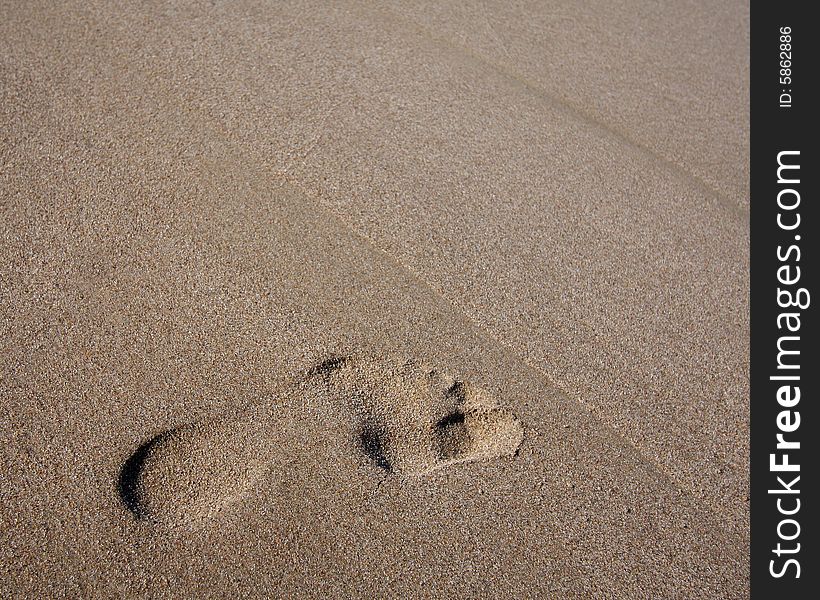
(784, 333)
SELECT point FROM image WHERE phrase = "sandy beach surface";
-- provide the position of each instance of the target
(408, 299)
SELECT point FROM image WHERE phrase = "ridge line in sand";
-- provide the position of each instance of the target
(736, 209)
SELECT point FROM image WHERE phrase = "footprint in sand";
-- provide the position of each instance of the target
(407, 419)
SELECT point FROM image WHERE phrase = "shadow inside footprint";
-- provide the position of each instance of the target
(451, 436)
(128, 482)
(371, 442)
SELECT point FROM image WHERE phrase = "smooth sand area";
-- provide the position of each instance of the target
(416, 300)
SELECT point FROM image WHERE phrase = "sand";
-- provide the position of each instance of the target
(410, 301)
